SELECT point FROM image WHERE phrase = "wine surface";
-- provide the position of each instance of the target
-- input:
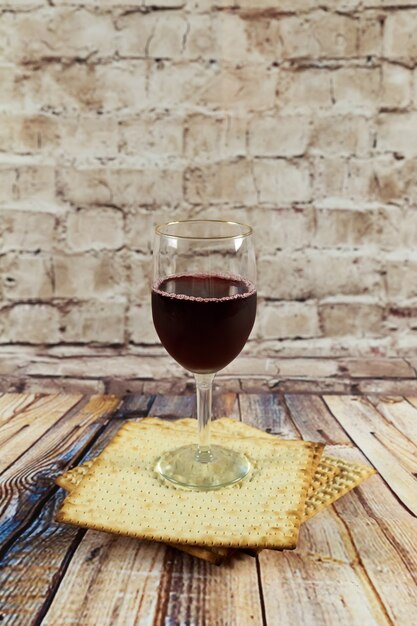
(203, 320)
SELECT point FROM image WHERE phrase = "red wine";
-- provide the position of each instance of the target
(203, 320)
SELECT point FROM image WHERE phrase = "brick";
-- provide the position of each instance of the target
(230, 181)
(27, 276)
(21, 134)
(243, 87)
(140, 276)
(342, 178)
(140, 225)
(397, 132)
(87, 136)
(21, 5)
(352, 227)
(353, 273)
(281, 135)
(351, 318)
(321, 35)
(140, 325)
(304, 90)
(263, 37)
(121, 187)
(152, 136)
(88, 277)
(356, 89)
(341, 135)
(285, 5)
(396, 87)
(156, 34)
(310, 274)
(30, 183)
(215, 137)
(26, 231)
(289, 320)
(370, 36)
(201, 39)
(95, 229)
(97, 322)
(401, 271)
(395, 181)
(396, 4)
(401, 318)
(181, 84)
(406, 226)
(8, 184)
(10, 92)
(30, 323)
(400, 35)
(64, 32)
(284, 117)
(279, 181)
(86, 87)
(165, 4)
(282, 229)
(234, 39)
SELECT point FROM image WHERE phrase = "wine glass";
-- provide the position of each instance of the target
(203, 308)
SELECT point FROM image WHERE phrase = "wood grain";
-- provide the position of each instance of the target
(268, 412)
(20, 433)
(401, 414)
(392, 454)
(313, 420)
(384, 536)
(355, 564)
(120, 581)
(35, 563)
(32, 566)
(12, 403)
(28, 481)
(175, 407)
(134, 405)
(306, 590)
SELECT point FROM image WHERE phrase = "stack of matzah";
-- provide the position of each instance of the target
(120, 491)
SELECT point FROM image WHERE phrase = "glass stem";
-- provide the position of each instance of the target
(204, 385)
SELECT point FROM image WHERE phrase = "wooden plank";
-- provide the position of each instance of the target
(30, 568)
(389, 451)
(175, 407)
(269, 413)
(412, 400)
(13, 403)
(21, 432)
(398, 412)
(314, 421)
(134, 405)
(28, 481)
(34, 564)
(355, 563)
(385, 536)
(309, 591)
(226, 405)
(120, 581)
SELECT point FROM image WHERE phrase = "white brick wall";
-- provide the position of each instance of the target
(300, 119)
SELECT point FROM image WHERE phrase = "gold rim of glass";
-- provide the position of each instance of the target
(246, 229)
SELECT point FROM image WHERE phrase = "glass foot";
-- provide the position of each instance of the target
(203, 470)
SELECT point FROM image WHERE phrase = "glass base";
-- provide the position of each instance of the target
(203, 470)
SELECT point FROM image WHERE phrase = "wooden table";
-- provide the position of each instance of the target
(355, 562)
